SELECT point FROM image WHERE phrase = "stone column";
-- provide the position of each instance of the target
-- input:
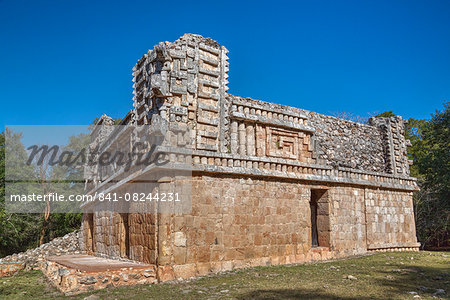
(250, 140)
(242, 149)
(234, 137)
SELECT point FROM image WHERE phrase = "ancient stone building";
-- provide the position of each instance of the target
(271, 184)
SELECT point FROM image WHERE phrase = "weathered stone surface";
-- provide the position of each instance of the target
(87, 280)
(34, 258)
(272, 184)
(9, 268)
(74, 280)
(180, 239)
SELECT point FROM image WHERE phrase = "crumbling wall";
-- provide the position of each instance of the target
(347, 144)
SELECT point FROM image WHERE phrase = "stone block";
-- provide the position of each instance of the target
(185, 271)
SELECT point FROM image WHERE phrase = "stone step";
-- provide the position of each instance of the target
(74, 274)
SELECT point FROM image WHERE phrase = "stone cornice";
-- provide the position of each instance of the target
(226, 163)
(281, 168)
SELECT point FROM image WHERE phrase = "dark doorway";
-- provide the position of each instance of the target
(124, 236)
(320, 218)
(91, 235)
(314, 233)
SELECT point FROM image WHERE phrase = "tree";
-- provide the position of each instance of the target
(432, 158)
(386, 114)
(414, 133)
(17, 231)
(21, 231)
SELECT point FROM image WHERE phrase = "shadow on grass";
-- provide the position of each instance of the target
(397, 282)
(294, 294)
(412, 278)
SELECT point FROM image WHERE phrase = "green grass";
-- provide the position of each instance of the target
(380, 276)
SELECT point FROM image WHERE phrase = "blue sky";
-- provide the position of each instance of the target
(67, 62)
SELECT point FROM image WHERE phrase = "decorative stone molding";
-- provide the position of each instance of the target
(257, 169)
(185, 82)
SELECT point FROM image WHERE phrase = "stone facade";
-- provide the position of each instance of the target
(271, 184)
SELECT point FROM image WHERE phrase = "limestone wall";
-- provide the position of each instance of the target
(124, 236)
(257, 166)
(348, 222)
(142, 237)
(260, 129)
(390, 219)
(237, 222)
(106, 233)
(377, 147)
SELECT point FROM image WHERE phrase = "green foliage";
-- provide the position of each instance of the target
(17, 231)
(21, 231)
(432, 159)
(2, 171)
(435, 162)
(414, 132)
(386, 114)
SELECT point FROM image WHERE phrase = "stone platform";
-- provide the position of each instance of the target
(73, 274)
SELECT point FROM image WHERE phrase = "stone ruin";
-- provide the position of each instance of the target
(271, 184)
(36, 258)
